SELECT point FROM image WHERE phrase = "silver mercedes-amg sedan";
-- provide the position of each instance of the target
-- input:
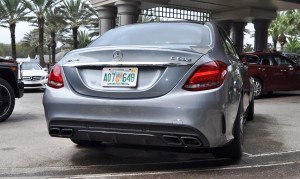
(175, 84)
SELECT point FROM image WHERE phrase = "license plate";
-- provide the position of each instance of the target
(126, 77)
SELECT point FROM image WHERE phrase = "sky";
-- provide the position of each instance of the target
(23, 27)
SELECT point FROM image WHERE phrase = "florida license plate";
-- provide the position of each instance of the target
(124, 77)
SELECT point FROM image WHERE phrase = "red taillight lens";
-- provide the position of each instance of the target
(55, 79)
(208, 76)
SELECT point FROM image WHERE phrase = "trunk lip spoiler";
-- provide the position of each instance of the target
(125, 64)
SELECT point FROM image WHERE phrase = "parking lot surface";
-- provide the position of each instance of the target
(272, 148)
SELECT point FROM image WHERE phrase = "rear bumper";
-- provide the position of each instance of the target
(129, 133)
(190, 115)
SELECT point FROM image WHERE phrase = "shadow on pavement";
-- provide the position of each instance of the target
(281, 94)
(116, 158)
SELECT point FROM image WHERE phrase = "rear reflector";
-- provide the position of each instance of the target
(208, 76)
(55, 79)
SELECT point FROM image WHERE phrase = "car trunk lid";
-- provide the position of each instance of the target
(158, 70)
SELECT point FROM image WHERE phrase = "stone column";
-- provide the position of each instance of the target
(226, 25)
(107, 16)
(128, 12)
(261, 34)
(238, 35)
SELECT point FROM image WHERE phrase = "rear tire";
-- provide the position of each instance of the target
(235, 149)
(7, 100)
(250, 114)
(258, 88)
(86, 143)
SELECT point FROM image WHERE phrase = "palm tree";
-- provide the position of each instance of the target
(84, 39)
(39, 8)
(12, 11)
(274, 31)
(77, 13)
(54, 25)
(293, 20)
(30, 40)
(2, 13)
(94, 26)
(248, 48)
(293, 45)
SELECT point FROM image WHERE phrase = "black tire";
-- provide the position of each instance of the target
(7, 100)
(235, 149)
(86, 143)
(258, 88)
(250, 114)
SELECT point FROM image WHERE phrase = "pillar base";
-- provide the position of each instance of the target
(107, 16)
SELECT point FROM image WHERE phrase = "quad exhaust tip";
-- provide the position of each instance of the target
(190, 141)
(172, 140)
(66, 132)
(183, 140)
(61, 132)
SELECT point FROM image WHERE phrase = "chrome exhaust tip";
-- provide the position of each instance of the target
(190, 141)
(172, 140)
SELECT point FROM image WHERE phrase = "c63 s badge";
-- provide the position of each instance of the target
(181, 59)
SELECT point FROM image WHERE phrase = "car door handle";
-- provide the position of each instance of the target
(261, 69)
(282, 70)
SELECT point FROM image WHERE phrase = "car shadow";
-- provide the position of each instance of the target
(123, 158)
(259, 136)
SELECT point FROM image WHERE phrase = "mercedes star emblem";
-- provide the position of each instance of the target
(117, 55)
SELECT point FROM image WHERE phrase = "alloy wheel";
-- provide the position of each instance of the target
(5, 100)
(257, 88)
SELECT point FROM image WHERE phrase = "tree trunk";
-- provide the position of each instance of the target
(75, 42)
(49, 51)
(41, 22)
(36, 50)
(12, 28)
(53, 47)
(275, 40)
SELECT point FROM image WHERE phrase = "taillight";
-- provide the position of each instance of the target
(55, 79)
(208, 76)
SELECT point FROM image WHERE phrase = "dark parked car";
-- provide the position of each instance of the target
(157, 84)
(272, 72)
(10, 87)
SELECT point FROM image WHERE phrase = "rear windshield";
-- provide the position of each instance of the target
(157, 34)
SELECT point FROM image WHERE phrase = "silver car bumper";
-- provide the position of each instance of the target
(156, 121)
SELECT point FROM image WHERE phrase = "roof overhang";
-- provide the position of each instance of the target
(245, 10)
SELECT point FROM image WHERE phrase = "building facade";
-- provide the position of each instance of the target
(231, 15)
